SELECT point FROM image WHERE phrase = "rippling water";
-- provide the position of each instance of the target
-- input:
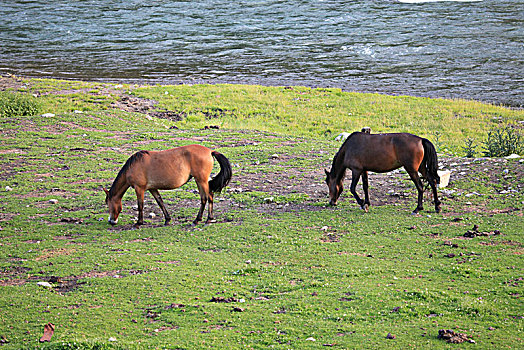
(467, 49)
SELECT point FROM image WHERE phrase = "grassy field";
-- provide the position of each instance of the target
(280, 269)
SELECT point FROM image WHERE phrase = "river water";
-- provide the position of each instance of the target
(450, 49)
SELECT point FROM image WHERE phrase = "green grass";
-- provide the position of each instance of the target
(295, 272)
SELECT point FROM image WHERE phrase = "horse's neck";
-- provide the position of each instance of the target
(119, 188)
(339, 166)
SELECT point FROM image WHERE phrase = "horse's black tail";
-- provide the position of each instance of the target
(223, 177)
(430, 160)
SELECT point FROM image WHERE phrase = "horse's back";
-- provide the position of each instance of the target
(172, 168)
(382, 152)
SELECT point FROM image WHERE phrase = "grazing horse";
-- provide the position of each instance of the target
(167, 170)
(363, 152)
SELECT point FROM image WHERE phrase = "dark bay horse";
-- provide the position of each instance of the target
(166, 170)
(363, 152)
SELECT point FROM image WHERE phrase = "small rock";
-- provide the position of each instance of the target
(269, 200)
(311, 339)
(444, 178)
(45, 284)
(342, 136)
(152, 215)
(275, 156)
(390, 336)
(111, 339)
(8, 189)
(48, 115)
(513, 156)
(238, 309)
(53, 201)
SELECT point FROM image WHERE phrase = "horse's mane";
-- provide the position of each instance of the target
(339, 151)
(133, 159)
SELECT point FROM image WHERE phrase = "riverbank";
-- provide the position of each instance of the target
(297, 111)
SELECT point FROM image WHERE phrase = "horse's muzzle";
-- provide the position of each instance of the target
(112, 222)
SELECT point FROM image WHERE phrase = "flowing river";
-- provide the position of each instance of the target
(450, 49)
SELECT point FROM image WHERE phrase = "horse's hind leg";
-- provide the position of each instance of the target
(210, 218)
(203, 189)
(160, 203)
(420, 188)
(365, 186)
(435, 197)
(433, 185)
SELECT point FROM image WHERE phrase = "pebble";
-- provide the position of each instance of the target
(44, 284)
(269, 200)
(48, 115)
(7, 188)
(53, 201)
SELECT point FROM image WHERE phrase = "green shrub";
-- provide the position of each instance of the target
(502, 142)
(470, 147)
(16, 104)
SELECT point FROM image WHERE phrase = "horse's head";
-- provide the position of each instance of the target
(115, 207)
(335, 187)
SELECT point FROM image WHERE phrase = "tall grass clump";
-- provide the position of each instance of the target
(14, 104)
(502, 142)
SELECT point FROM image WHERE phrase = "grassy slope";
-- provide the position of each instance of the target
(338, 276)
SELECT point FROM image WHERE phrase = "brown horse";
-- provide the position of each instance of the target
(167, 170)
(363, 152)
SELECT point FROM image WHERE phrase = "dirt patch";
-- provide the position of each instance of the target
(18, 275)
(453, 337)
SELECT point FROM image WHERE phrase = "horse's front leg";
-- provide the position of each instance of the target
(365, 186)
(413, 174)
(355, 176)
(140, 203)
(160, 203)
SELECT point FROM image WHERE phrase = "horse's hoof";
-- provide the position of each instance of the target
(212, 221)
(365, 207)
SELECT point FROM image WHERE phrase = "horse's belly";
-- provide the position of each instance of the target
(165, 184)
(167, 180)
